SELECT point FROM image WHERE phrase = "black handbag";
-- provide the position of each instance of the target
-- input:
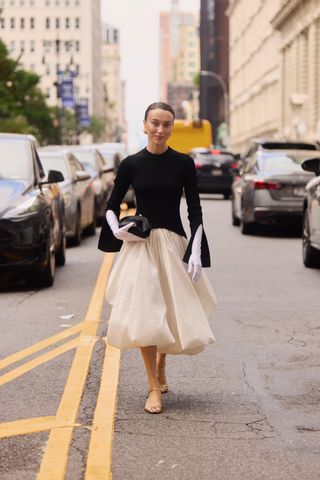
(141, 227)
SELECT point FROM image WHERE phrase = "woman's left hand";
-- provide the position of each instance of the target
(195, 267)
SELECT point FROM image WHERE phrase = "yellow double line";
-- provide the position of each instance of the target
(61, 426)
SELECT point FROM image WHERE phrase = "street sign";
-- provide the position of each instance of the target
(82, 110)
(66, 92)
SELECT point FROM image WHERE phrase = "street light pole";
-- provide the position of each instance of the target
(222, 83)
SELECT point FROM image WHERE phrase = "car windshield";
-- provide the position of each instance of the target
(280, 163)
(14, 160)
(88, 160)
(54, 162)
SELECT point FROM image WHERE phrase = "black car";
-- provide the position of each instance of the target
(214, 170)
(311, 215)
(32, 235)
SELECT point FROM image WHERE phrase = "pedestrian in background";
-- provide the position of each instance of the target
(159, 304)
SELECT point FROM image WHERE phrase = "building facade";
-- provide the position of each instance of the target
(254, 77)
(53, 37)
(179, 57)
(113, 87)
(298, 23)
(214, 41)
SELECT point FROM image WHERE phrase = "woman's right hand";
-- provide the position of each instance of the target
(123, 234)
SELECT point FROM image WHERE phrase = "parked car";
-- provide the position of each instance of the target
(269, 188)
(311, 215)
(214, 170)
(261, 144)
(113, 154)
(78, 192)
(32, 233)
(102, 175)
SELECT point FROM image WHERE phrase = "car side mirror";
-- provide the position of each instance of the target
(54, 176)
(81, 175)
(107, 169)
(312, 165)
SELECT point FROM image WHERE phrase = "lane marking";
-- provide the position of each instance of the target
(26, 352)
(100, 447)
(26, 367)
(32, 425)
(54, 462)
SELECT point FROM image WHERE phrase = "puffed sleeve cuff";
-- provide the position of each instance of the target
(107, 241)
(205, 253)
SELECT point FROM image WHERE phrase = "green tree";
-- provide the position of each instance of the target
(23, 107)
(97, 128)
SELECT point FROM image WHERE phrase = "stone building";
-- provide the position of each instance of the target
(255, 66)
(52, 37)
(298, 23)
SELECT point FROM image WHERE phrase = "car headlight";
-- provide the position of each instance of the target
(23, 211)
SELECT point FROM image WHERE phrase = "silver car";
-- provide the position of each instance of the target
(77, 190)
(311, 215)
(269, 188)
(101, 174)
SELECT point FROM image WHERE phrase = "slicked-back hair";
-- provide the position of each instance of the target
(162, 106)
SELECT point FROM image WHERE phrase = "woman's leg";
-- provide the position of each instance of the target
(149, 355)
(161, 372)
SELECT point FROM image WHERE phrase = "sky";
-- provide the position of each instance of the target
(138, 22)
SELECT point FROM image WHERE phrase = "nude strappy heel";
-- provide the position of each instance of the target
(154, 408)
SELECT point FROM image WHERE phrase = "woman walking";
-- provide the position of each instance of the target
(160, 298)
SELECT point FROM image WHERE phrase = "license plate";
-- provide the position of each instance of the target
(216, 172)
(299, 191)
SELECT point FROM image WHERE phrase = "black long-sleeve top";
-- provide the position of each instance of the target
(158, 181)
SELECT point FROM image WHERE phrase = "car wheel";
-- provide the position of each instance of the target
(91, 229)
(61, 253)
(45, 278)
(311, 256)
(235, 220)
(76, 239)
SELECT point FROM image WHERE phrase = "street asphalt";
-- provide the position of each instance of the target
(246, 408)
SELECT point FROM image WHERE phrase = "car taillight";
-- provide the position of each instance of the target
(215, 151)
(234, 165)
(263, 185)
(198, 165)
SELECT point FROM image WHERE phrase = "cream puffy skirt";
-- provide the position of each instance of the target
(153, 300)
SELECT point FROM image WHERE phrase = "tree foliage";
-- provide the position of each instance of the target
(23, 107)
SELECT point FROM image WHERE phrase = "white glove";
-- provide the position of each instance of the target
(121, 233)
(194, 264)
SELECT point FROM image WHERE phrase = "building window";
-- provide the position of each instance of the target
(47, 2)
(12, 46)
(78, 69)
(47, 22)
(2, 22)
(22, 46)
(57, 22)
(32, 67)
(115, 36)
(67, 3)
(67, 22)
(32, 46)
(77, 22)
(48, 92)
(32, 22)
(31, 3)
(22, 23)
(77, 46)
(12, 22)
(77, 2)
(48, 69)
